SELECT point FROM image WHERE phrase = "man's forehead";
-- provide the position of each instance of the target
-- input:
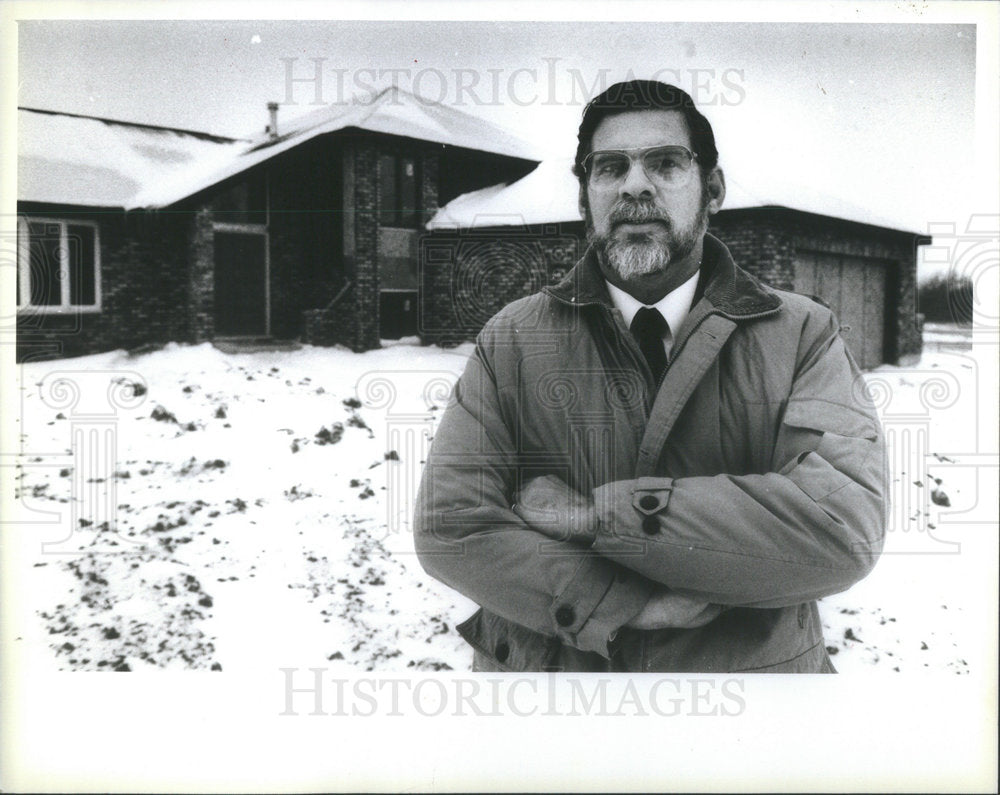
(636, 128)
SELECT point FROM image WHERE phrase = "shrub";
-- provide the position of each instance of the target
(946, 299)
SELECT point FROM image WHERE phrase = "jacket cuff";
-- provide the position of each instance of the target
(588, 616)
(625, 599)
(630, 511)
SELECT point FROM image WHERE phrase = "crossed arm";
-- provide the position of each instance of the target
(550, 507)
(566, 564)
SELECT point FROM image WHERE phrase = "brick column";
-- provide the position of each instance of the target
(909, 330)
(361, 245)
(429, 187)
(201, 269)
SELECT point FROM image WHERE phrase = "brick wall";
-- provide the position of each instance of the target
(759, 244)
(429, 181)
(468, 276)
(364, 301)
(143, 281)
(201, 276)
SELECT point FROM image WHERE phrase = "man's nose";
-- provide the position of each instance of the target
(636, 182)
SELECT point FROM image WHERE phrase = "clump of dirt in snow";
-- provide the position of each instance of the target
(939, 496)
(331, 435)
(130, 610)
(160, 414)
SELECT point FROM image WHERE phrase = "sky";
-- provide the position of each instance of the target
(880, 115)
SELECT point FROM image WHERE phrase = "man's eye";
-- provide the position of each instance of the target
(610, 167)
(663, 163)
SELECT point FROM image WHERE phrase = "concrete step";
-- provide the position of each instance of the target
(255, 345)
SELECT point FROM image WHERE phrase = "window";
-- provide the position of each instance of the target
(58, 265)
(399, 191)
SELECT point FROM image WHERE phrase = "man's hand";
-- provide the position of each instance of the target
(669, 610)
(553, 509)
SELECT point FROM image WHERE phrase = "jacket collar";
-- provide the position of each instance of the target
(730, 289)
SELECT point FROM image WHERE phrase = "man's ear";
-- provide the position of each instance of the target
(716, 186)
(581, 200)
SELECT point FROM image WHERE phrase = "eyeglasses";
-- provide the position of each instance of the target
(666, 166)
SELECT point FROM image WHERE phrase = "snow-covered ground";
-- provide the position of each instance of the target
(264, 500)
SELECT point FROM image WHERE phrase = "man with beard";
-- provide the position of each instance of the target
(658, 464)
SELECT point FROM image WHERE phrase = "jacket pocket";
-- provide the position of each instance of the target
(813, 660)
(484, 663)
(502, 645)
(836, 446)
(815, 477)
(797, 648)
(827, 417)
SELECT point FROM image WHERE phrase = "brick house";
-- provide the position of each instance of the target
(132, 235)
(863, 269)
(383, 218)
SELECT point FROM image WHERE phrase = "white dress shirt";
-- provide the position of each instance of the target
(674, 306)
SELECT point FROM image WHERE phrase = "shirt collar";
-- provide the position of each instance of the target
(674, 306)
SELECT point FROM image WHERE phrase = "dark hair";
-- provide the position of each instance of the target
(646, 95)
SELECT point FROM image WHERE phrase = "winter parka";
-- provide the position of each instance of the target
(753, 476)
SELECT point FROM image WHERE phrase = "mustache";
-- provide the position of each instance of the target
(630, 212)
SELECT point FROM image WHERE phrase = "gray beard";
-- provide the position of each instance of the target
(632, 259)
(640, 256)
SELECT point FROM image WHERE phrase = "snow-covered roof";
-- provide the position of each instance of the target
(804, 197)
(546, 195)
(66, 158)
(549, 194)
(392, 111)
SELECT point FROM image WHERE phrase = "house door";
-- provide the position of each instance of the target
(397, 314)
(855, 289)
(240, 284)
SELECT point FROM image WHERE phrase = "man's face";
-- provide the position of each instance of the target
(639, 226)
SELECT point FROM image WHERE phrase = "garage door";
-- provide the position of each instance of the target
(855, 289)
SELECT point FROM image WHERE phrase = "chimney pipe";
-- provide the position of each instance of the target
(272, 128)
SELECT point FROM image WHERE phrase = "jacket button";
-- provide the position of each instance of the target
(502, 651)
(565, 616)
(648, 502)
(650, 525)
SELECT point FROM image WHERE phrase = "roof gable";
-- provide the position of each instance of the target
(67, 158)
(392, 111)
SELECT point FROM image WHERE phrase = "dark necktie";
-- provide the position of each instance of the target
(649, 328)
